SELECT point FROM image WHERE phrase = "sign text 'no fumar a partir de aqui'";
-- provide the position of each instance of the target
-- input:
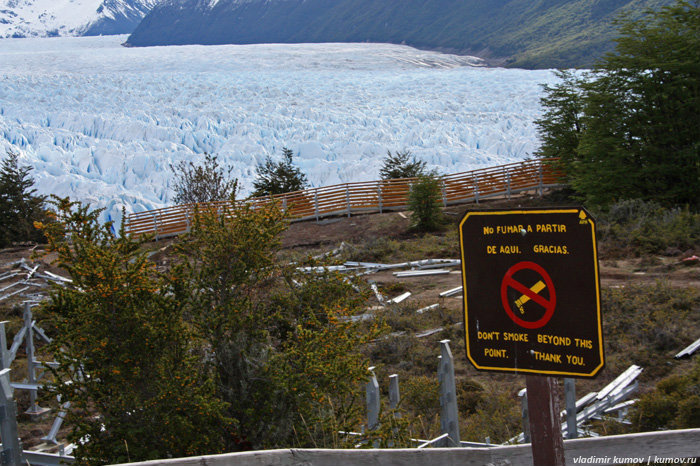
(531, 291)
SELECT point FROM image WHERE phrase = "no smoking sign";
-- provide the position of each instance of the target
(541, 296)
(531, 291)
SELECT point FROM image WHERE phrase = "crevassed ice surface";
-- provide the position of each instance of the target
(102, 123)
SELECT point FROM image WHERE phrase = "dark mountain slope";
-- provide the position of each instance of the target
(527, 33)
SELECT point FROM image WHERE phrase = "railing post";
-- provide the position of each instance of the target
(444, 192)
(316, 203)
(12, 454)
(372, 398)
(31, 373)
(34, 408)
(155, 224)
(284, 204)
(541, 187)
(379, 197)
(476, 189)
(394, 394)
(347, 198)
(4, 354)
(570, 398)
(525, 415)
(449, 413)
(508, 192)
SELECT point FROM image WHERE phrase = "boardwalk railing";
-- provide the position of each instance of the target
(668, 447)
(365, 197)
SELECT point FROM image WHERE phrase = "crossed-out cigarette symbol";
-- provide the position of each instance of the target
(536, 288)
(527, 294)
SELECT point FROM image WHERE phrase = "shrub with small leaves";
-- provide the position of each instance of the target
(205, 182)
(673, 404)
(425, 202)
(126, 358)
(401, 165)
(281, 341)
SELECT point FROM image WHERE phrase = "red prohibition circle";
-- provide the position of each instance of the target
(548, 304)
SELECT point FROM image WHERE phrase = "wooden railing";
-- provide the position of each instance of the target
(365, 197)
(669, 447)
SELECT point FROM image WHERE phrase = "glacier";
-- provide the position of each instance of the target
(103, 123)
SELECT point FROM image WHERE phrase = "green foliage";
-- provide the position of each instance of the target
(674, 404)
(425, 202)
(207, 182)
(376, 249)
(20, 207)
(637, 136)
(495, 415)
(126, 358)
(560, 127)
(394, 430)
(421, 393)
(279, 177)
(638, 227)
(648, 323)
(284, 351)
(401, 165)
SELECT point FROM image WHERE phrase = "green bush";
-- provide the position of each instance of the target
(425, 202)
(286, 356)
(649, 323)
(207, 182)
(638, 227)
(673, 404)
(127, 360)
(496, 415)
(375, 249)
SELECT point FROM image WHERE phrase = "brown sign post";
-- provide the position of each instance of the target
(532, 302)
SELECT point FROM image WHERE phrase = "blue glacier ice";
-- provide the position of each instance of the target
(102, 123)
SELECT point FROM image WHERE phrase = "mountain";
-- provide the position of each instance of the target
(522, 33)
(42, 18)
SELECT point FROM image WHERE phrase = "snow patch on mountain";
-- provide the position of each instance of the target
(42, 18)
(103, 123)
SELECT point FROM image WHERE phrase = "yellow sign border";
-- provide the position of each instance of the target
(597, 288)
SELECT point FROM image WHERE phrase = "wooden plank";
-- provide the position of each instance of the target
(603, 450)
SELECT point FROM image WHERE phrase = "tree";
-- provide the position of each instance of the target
(285, 352)
(207, 182)
(279, 177)
(401, 165)
(425, 202)
(127, 361)
(638, 136)
(560, 127)
(20, 207)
